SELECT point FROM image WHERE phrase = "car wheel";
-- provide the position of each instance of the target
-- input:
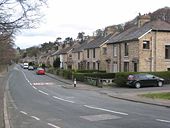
(160, 83)
(137, 85)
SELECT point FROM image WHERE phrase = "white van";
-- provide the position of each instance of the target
(25, 66)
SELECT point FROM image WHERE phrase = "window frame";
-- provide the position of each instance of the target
(146, 44)
(167, 53)
(94, 53)
(104, 50)
(114, 50)
(94, 65)
(126, 66)
(88, 51)
(126, 48)
(78, 55)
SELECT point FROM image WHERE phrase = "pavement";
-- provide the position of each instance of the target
(128, 94)
(2, 88)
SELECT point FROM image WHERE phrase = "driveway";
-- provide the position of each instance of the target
(133, 94)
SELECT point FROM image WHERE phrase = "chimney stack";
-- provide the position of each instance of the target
(142, 19)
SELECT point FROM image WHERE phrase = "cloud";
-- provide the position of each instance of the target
(65, 18)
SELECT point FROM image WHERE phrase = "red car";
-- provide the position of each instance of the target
(40, 71)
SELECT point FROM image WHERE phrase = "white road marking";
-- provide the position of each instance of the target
(43, 83)
(165, 121)
(63, 99)
(35, 117)
(29, 82)
(26, 78)
(43, 92)
(100, 117)
(53, 125)
(24, 112)
(34, 87)
(121, 113)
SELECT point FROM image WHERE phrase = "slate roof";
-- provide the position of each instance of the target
(65, 50)
(97, 42)
(80, 47)
(134, 33)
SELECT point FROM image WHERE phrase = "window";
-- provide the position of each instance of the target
(94, 65)
(126, 66)
(87, 53)
(78, 55)
(167, 51)
(115, 67)
(94, 53)
(114, 50)
(146, 44)
(104, 51)
(126, 49)
(70, 55)
(79, 66)
(88, 65)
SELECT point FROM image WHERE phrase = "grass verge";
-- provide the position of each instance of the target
(163, 95)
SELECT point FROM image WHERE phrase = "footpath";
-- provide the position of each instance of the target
(128, 94)
(2, 89)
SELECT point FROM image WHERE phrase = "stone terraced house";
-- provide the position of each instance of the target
(91, 53)
(78, 56)
(95, 53)
(141, 48)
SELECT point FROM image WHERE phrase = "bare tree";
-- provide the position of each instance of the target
(16, 15)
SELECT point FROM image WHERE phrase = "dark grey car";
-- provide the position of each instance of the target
(144, 80)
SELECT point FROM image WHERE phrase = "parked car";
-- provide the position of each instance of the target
(144, 80)
(30, 68)
(40, 71)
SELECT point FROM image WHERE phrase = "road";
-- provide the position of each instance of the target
(38, 101)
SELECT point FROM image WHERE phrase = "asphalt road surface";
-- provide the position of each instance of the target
(38, 101)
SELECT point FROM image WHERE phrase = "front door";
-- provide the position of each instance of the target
(135, 66)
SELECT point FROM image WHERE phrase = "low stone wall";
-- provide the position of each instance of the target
(98, 81)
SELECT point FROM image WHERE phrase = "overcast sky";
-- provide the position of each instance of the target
(65, 18)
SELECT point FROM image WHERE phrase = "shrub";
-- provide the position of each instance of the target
(56, 63)
(67, 74)
(79, 76)
(89, 71)
(101, 75)
(50, 70)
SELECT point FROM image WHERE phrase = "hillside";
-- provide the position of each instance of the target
(162, 13)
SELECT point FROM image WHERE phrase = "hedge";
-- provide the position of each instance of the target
(81, 76)
(90, 71)
(61, 72)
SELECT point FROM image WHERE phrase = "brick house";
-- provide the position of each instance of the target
(141, 48)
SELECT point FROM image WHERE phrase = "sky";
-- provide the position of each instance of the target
(66, 18)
